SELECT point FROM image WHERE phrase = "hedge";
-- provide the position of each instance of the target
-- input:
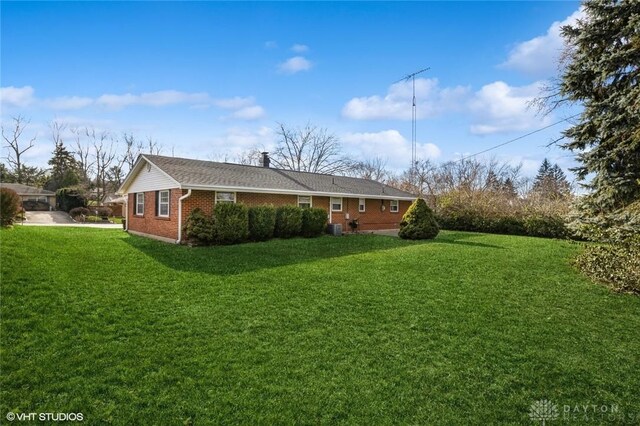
(314, 222)
(230, 223)
(198, 227)
(9, 206)
(288, 221)
(262, 221)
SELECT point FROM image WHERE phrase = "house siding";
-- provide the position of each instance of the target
(150, 180)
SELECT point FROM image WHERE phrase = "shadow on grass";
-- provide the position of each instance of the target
(249, 257)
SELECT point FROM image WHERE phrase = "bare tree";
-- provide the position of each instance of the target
(16, 147)
(83, 155)
(250, 157)
(371, 168)
(309, 149)
(103, 155)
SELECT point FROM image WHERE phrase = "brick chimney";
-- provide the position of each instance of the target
(265, 159)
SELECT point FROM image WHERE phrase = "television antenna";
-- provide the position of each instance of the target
(406, 78)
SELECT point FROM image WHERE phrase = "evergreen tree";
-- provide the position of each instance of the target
(551, 182)
(64, 169)
(603, 74)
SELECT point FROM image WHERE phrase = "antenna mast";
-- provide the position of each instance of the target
(406, 78)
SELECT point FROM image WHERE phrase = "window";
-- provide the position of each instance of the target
(140, 203)
(393, 206)
(362, 205)
(304, 201)
(163, 203)
(225, 197)
(336, 204)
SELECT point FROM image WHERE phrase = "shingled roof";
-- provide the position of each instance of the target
(199, 174)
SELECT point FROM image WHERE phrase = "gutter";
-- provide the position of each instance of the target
(184, 197)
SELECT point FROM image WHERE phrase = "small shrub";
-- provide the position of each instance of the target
(78, 211)
(314, 222)
(104, 211)
(198, 227)
(262, 221)
(9, 206)
(418, 223)
(230, 223)
(288, 221)
(616, 264)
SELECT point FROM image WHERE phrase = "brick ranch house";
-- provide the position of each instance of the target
(161, 192)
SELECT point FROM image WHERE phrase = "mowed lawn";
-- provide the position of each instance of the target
(466, 329)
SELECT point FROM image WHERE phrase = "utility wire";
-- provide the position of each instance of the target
(514, 140)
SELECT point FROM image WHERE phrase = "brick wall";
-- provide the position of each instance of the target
(373, 217)
(150, 223)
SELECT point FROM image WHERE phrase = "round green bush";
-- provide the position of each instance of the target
(262, 221)
(314, 222)
(418, 223)
(288, 221)
(230, 223)
(198, 227)
(9, 206)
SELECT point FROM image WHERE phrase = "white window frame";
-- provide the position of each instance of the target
(139, 203)
(225, 201)
(161, 203)
(332, 203)
(305, 196)
(362, 205)
(392, 204)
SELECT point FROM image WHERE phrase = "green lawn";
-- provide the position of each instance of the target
(466, 329)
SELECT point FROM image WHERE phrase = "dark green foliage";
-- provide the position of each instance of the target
(545, 226)
(9, 206)
(262, 221)
(418, 223)
(79, 211)
(230, 223)
(198, 227)
(615, 264)
(288, 221)
(603, 75)
(314, 222)
(551, 182)
(64, 169)
(69, 198)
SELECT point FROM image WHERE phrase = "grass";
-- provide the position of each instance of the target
(466, 329)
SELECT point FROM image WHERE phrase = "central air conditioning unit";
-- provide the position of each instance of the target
(335, 229)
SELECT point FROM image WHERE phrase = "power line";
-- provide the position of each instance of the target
(414, 116)
(515, 139)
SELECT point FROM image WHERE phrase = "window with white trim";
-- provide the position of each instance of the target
(304, 201)
(336, 204)
(362, 205)
(163, 203)
(139, 203)
(225, 197)
(394, 206)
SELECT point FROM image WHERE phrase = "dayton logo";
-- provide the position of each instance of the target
(543, 411)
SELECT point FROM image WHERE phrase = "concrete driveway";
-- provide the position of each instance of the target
(60, 219)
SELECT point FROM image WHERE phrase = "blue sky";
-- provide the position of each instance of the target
(208, 79)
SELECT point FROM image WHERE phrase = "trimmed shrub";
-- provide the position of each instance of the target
(230, 223)
(104, 211)
(288, 221)
(262, 221)
(9, 206)
(314, 222)
(418, 223)
(78, 211)
(198, 228)
(614, 264)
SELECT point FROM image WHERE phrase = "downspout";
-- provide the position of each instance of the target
(184, 197)
(126, 213)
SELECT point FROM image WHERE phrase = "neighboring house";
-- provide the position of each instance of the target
(33, 198)
(162, 191)
(116, 203)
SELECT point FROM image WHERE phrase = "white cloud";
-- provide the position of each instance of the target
(390, 145)
(154, 99)
(235, 102)
(254, 112)
(68, 102)
(300, 48)
(499, 107)
(396, 104)
(295, 65)
(539, 56)
(16, 96)
(238, 139)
